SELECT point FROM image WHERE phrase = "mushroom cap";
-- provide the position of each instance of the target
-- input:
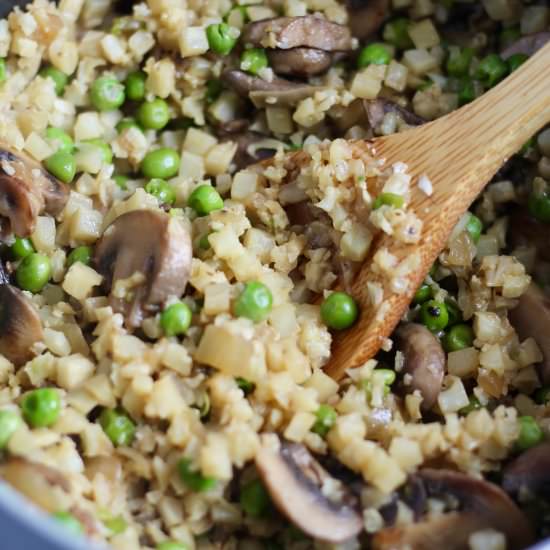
(483, 505)
(531, 318)
(293, 32)
(299, 61)
(151, 243)
(528, 45)
(26, 189)
(367, 16)
(294, 480)
(424, 361)
(530, 471)
(20, 325)
(376, 110)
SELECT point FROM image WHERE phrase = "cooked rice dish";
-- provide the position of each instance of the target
(185, 199)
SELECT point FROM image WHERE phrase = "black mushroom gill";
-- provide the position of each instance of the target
(423, 362)
(481, 505)
(377, 109)
(26, 190)
(529, 472)
(295, 481)
(20, 326)
(145, 257)
(531, 318)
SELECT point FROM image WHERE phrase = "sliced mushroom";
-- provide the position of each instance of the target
(262, 92)
(46, 487)
(20, 326)
(307, 31)
(377, 109)
(527, 45)
(295, 481)
(149, 243)
(302, 62)
(483, 505)
(424, 361)
(530, 471)
(531, 317)
(367, 16)
(526, 230)
(26, 190)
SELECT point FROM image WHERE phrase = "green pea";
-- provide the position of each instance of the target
(162, 190)
(106, 151)
(33, 272)
(205, 199)
(254, 499)
(135, 86)
(254, 60)
(176, 319)
(62, 165)
(69, 522)
(107, 94)
(9, 423)
(474, 227)
(326, 418)
(116, 525)
(245, 385)
(542, 395)
(388, 199)
(538, 204)
(171, 545)
(458, 337)
(59, 78)
(60, 139)
(491, 70)
(154, 114)
(82, 254)
(339, 310)
(221, 38)
(118, 427)
(530, 433)
(214, 88)
(121, 181)
(396, 32)
(21, 248)
(254, 302)
(423, 294)
(458, 62)
(426, 84)
(192, 478)
(509, 36)
(515, 61)
(162, 163)
(3, 70)
(473, 405)
(434, 315)
(41, 407)
(466, 90)
(127, 123)
(374, 54)
(454, 313)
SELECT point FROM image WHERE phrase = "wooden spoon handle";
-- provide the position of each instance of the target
(459, 153)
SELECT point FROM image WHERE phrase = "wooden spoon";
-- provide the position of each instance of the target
(459, 154)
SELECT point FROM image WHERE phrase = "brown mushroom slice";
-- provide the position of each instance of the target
(295, 481)
(526, 230)
(149, 243)
(262, 92)
(307, 31)
(531, 318)
(530, 471)
(424, 361)
(483, 505)
(20, 326)
(377, 109)
(26, 190)
(47, 487)
(302, 62)
(367, 16)
(527, 45)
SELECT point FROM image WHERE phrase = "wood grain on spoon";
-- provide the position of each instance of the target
(459, 153)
